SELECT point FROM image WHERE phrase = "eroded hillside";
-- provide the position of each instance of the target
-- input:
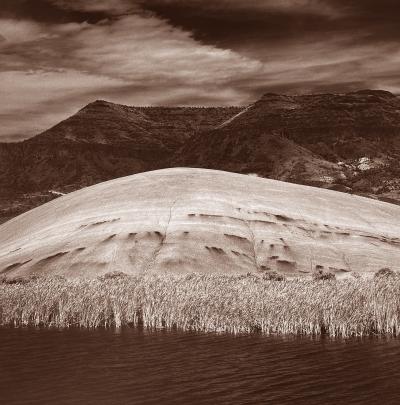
(346, 142)
(195, 220)
(102, 141)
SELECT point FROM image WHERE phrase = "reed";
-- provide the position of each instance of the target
(216, 303)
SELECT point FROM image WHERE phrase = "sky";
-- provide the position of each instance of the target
(56, 56)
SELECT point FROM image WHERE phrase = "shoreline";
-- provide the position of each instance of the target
(207, 303)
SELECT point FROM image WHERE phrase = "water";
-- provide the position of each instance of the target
(138, 367)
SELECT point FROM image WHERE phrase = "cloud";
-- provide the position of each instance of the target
(37, 100)
(146, 48)
(298, 6)
(242, 24)
(48, 11)
(133, 59)
(304, 45)
(14, 31)
(114, 7)
(57, 55)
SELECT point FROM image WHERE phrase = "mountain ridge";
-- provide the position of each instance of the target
(344, 141)
(343, 130)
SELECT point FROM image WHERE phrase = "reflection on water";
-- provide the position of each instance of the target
(137, 367)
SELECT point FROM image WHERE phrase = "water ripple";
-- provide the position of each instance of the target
(138, 367)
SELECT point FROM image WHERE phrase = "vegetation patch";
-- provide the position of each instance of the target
(321, 274)
(264, 303)
(385, 272)
(273, 276)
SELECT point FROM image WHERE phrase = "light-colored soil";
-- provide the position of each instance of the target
(196, 220)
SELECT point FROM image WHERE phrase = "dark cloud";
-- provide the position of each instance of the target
(305, 45)
(47, 11)
(239, 24)
(238, 27)
(57, 55)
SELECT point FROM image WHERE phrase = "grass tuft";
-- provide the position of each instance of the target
(385, 272)
(215, 303)
(320, 274)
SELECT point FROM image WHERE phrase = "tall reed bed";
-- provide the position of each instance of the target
(218, 303)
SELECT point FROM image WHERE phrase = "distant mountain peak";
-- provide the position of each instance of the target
(103, 102)
(99, 101)
(275, 101)
(99, 104)
(366, 92)
(379, 93)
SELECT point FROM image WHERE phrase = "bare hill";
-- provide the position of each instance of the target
(185, 220)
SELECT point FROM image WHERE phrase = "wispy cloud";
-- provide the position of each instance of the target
(38, 99)
(14, 31)
(109, 6)
(57, 55)
(134, 59)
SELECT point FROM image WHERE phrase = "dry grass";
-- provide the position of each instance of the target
(352, 307)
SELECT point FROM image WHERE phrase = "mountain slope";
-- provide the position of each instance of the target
(102, 141)
(185, 220)
(265, 154)
(335, 126)
(350, 140)
(153, 128)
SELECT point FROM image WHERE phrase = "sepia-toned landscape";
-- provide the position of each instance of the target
(199, 202)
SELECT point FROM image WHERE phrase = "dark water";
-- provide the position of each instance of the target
(136, 367)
